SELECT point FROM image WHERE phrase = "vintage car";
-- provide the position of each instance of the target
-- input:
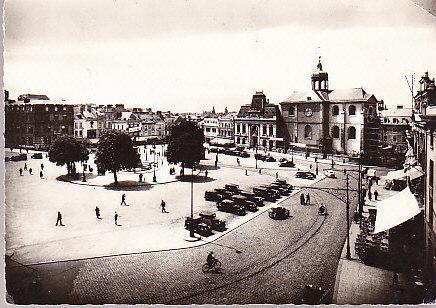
(244, 202)
(305, 175)
(243, 154)
(252, 197)
(276, 192)
(198, 226)
(283, 184)
(287, 163)
(259, 156)
(213, 196)
(278, 213)
(234, 188)
(264, 193)
(18, 157)
(240, 148)
(285, 191)
(230, 207)
(330, 174)
(36, 156)
(225, 193)
(210, 219)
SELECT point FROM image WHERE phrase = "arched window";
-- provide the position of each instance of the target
(335, 132)
(308, 132)
(335, 110)
(291, 111)
(352, 110)
(238, 140)
(352, 132)
(370, 110)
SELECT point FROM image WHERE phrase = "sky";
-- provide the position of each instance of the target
(192, 55)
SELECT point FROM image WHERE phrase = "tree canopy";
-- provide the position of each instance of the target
(185, 144)
(67, 150)
(115, 152)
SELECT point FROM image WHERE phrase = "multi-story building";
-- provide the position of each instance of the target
(37, 123)
(394, 124)
(424, 139)
(126, 122)
(332, 121)
(226, 127)
(86, 122)
(259, 124)
(210, 128)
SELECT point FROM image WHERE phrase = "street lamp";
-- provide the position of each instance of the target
(191, 230)
(83, 175)
(292, 154)
(154, 163)
(359, 189)
(348, 256)
(316, 167)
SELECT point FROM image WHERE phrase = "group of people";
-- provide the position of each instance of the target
(305, 200)
(30, 170)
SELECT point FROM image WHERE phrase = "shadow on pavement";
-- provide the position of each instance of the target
(194, 178)
(128, 186)
(207, 167)
(78, 176)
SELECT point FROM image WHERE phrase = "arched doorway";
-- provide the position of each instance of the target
(254, 132)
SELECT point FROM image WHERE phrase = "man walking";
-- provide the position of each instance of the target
(41, 175)
(116, 219)
(307, 199)
(205, 174)
(246, 172)
(375, 194)
(59, 219)
(277, 175)
(21, 171)
(123, 200)
(30, 171)
(302, 200)
(42, 166)
(97, 212)
(25, 166)
(140, 177)
(162, 205)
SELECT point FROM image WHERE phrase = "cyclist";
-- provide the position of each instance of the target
(210, 259)
(322, 209)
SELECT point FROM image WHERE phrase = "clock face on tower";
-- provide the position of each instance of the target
(308, 112)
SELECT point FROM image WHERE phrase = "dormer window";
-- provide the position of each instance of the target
(309, 98)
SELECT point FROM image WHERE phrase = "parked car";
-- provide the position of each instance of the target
(230, 207)
(330, 174)
(283, 190)
(305, 175)
(287, 163)
(225, 193)
(213, 196)
(259, 156)
(264, 193)
(253, 198)
(19, 157)
(278, 213)
(214, 150)
(289, 188)
(273, 190)
(234, 188)
(210, 219)
(243, 154)
(198, 226)
(36, 156)
(270, 159)
(239, 148)
(242, 201)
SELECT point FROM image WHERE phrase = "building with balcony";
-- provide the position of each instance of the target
(210, 128)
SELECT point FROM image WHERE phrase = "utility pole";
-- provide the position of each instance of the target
(191, 230)
(348, 256)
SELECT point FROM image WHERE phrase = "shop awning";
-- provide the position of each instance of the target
(395, 210)
(412, 173)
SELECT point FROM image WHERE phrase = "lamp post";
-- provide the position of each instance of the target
(191, 230)
(316, 170)
(255, 156)
(292, 154)
(83, 174)
(348, 256)
(359, 189)
(154, 163)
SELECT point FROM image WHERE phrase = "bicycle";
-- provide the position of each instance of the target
(215, 266)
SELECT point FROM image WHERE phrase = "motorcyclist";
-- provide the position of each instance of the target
(210, 259)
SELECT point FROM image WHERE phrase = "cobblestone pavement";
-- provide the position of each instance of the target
(277, 259)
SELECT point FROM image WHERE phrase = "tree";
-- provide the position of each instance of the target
(115, 152)
(185, 144)
(67, 150)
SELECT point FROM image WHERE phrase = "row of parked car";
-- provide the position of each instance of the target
(233, 152)
(234, 200)
(205, 223)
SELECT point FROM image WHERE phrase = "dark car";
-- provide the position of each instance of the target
(289, 188)
(37, 156)
(198, 226)
(259, 156)
(214, 150)
(225, 193)
(230, 207)
(283, 190)
(264, 193)
(305, 175)
(211, 220)
(213, 196)
(252, 197)
(242, 201)
(275, 191)
(270, 159)
(278, 213)
(239, 148)
(287, 163)
(234, 188)
(19, 157)
(243, 154)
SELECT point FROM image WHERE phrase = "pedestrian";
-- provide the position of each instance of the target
(30, 170)
(116, 219)
(246, 172)
(123, 200)
(97, 212)
(375, 195)
(277, 175)
(42, 166)
(376, 180)
(162, 205)
(307, 199)
(310, 166)
(260, 171)
(205, 174)
(41, 175)
(302, 200)
(238, 161)
(21, 171)
(59, 219)
(25, 166)
(140, 177)
(369, 195)
(162, 163)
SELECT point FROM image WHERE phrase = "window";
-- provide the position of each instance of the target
(352, 132)
(271, 130)
(395, 120)
(352, 110)
(46, 108)
(264, 130)
(238, 140)
(385, 138)
(370, 110)
(431, 173)
(309, 98)
(292, 111)
(56, 108)
(307, 132)
(335, 132)
(394, 139)
(243, 129)
(431, 139)
(394, 129)
(335, 110)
